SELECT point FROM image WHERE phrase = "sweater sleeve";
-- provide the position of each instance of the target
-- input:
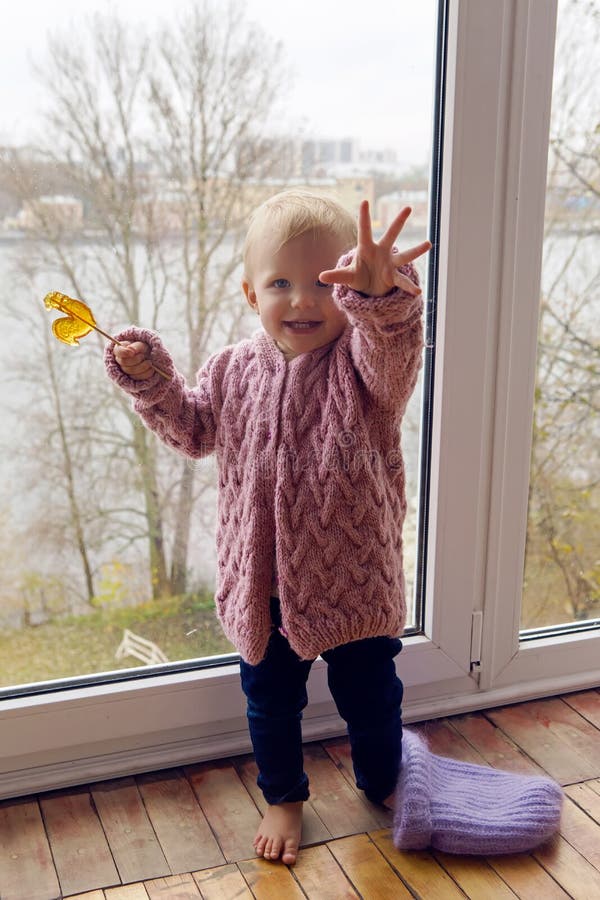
(182, 417)
(386, 341)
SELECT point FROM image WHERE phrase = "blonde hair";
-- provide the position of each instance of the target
(294, 212)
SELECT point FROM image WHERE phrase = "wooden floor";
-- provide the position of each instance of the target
(187, 833)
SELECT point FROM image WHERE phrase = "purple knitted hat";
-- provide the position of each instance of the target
(464, 808)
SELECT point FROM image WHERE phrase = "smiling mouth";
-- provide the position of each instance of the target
(300, 325)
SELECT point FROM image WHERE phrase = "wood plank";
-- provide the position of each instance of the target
(338, 749)
(560, 735)
(175, 887)
(338, 805)
(526, 877)
(554, 735)
(367, 868)
(444, 740)
(224, 883)
(581, 831)
(26, 868)
(320, 876)
(127, 892)
(475, 876)
(270, 880)
(314, 831)
(419, 870)
(574, 873)
(90, 895)
(180, 825)
(81, 853)
(228, 807)
(130, 835)
(587, 704)
(495, 748)
(587, 796)
(575, 730)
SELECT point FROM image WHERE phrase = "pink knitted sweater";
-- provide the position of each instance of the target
(309, 468)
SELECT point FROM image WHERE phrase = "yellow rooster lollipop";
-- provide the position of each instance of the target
(77, 321)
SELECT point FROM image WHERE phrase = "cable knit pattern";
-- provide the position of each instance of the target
(309, 465)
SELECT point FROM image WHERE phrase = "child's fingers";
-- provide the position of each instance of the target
(365, 232)
(134, 348)
(404, 282)
(126, 351)
(406, 256)
(343, 275)
(394, 229)
(139, 371)
(133, 358)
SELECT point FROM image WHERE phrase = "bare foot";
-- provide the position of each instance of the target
(389, 802)
(279, 832)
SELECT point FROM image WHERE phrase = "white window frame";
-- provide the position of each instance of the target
(497, 110)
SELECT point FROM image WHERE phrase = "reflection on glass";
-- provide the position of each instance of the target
(562, 569)
(131, 191)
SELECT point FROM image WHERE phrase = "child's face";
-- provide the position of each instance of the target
(283, 287)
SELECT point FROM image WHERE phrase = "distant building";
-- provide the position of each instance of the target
(348, 191)
(161, 211)
(389, 205)
(380, 160)
(319, 157)
(55, 209)
(347, 158)
(163, 207)
(315, 158)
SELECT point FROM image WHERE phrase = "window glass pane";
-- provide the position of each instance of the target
(562, 570)
(129, 160)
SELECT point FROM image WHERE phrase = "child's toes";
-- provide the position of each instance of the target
(290, 852)
(259, 844)
(276, 847)
(268, 848)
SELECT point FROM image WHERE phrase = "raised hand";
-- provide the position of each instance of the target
(375, 267)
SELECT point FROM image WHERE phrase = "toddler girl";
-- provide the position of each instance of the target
(304, 419)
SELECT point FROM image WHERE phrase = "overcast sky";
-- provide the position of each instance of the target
(386, 48)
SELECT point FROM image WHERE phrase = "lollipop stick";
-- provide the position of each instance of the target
(109, 337)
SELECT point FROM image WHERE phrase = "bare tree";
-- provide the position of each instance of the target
(157, 139)
(562, 560)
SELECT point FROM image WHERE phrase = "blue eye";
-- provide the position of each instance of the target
(281, 283)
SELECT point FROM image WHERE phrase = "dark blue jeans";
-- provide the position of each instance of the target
(367, 692)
